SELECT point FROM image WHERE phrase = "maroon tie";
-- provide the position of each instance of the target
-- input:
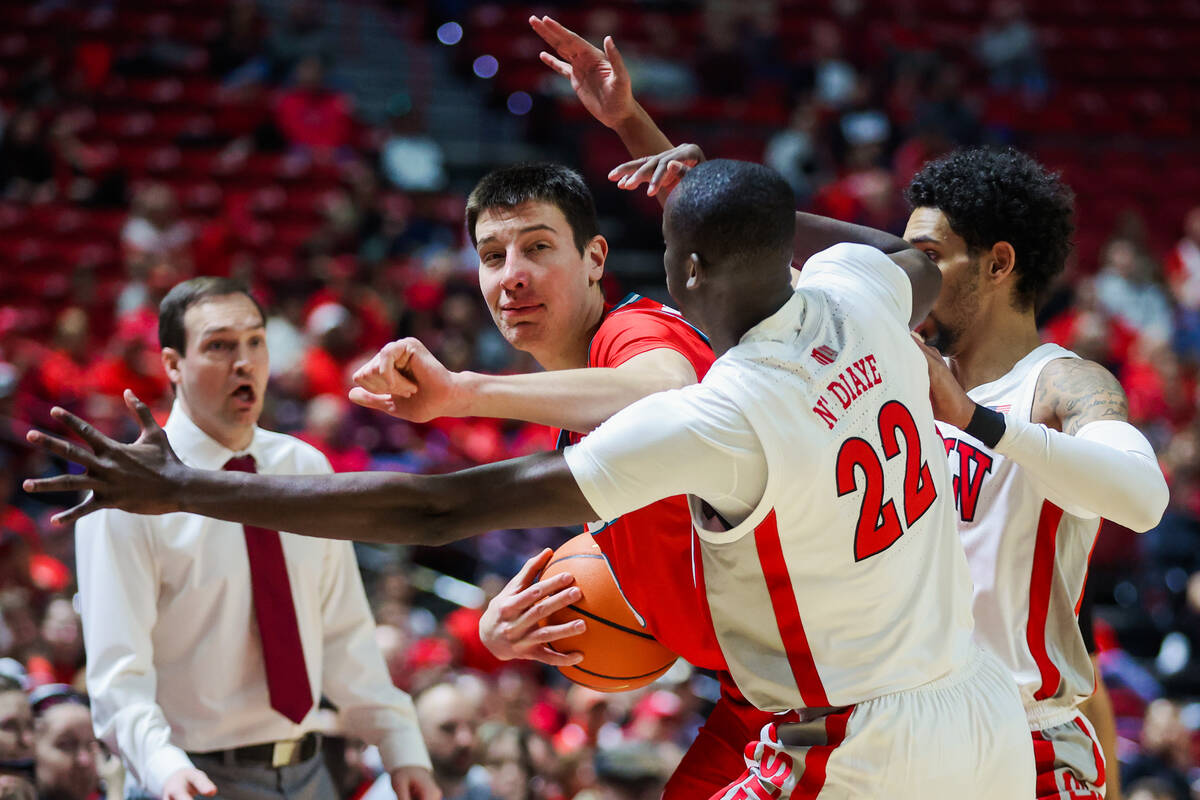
(283, 655)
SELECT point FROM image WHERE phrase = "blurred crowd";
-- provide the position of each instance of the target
(352, 236)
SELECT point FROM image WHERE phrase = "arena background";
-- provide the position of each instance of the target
(322, 152)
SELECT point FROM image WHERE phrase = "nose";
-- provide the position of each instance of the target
(516, 272)
(244, 363)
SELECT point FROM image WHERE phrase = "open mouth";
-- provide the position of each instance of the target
(245, 393)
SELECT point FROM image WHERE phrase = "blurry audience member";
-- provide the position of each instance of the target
(326, 428)
(61, 660)
(313, 118)
(66, 752)
(132, 361)
(1126, 289)
(14, 787)
(332, 333)
(16, 729)
(26, 162)
(61, 373)
(1153, 789)
(630, 771)
(1008, 47)
(448, 722)
(510, 767)
(300, 36)
(1182, 265)
(155, 233)
(792, 152)
(1166, 749)
(411, 159)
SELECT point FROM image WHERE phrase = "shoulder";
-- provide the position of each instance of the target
(1072, 392)
(641, 325)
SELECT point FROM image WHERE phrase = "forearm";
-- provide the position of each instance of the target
(640, 135)
(575, 400)
(815, 233)
(1107, 469)
(395, 507)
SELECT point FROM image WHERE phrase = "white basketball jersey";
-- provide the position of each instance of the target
(1028, 557)
(848, 580)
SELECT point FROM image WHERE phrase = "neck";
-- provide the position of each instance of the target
(572, 351)
(232, 439)
(991, 348)
(733, 319)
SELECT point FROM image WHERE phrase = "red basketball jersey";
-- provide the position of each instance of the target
(663, 581)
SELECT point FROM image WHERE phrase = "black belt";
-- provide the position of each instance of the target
(271, 754)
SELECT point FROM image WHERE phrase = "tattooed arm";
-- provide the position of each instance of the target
(1072, 392)
(1088, 459)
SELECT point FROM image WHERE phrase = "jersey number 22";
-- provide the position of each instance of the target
(878, 521)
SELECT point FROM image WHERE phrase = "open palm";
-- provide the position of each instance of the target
(599, 77)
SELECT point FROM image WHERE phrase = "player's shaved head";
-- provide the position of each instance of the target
(735, 214)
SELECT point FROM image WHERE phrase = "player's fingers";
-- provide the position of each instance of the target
(64, 449)
(61, 483)
(546, 606)
(661, 173)
(628, 168)
(614, 56)
(554, 658)
(80, 511)
(202, 784)
(561, 67)
(512, 608)
(565, 37)
(530, 568)
(643, 173)
(552, 633)
(141, 411)
(376, 402)
(401, 790)
(83, 429)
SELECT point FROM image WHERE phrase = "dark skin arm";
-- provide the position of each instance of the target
(146, 477)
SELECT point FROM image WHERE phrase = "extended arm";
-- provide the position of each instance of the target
(147, 478)
(573, 399)
(1097, 465)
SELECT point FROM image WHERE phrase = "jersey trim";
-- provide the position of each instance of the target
(787, 613)
(1041, 580)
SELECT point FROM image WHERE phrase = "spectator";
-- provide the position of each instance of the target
(132, 363)
(1166, 750)
(66, 751)
(1126, 289)
(411, 159)
(448, 723)
(299, 37)
(332, 332)
(26, 161)
(154, 233)
(16, 729)
(1151, 789)
(1008, 48)
(630, 771)
(13, 787)
(792, 152)
(509, 766)
(312, 118)
(61, 660)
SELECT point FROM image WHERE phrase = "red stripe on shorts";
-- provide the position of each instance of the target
(1041, 579)
(787, 613)
(1100, 774)
(816, 760)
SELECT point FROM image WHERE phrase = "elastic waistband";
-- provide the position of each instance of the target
(1049, 714)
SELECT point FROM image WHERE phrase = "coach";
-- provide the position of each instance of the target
(210, 643)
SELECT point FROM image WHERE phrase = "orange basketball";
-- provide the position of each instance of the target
(619, 654)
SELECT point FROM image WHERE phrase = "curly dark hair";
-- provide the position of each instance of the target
(994, 195)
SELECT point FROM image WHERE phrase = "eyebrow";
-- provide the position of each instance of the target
(229, 329)
(924, 240)
(526, 229)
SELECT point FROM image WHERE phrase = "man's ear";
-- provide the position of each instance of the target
(695, 272)
(595, 255)
(1001, 263)
(170, 358)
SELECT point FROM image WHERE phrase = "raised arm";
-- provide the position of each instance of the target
(573, 399)
(146, 477)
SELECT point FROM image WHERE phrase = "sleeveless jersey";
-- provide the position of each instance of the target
(662, 582)
(848, 580)
(1028, 557)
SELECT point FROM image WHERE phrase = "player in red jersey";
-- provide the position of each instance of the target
(540, 253)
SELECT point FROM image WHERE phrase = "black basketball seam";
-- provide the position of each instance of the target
(619, 677)
(574, 555)
(611, 624)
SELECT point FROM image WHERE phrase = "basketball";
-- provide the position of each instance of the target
(619, 654)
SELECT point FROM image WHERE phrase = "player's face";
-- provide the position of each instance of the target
(957, 305)
(222, 377)
(539, 288)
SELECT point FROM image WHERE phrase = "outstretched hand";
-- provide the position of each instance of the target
(662, 172)
(141, 478)
(406, 381)
(511, 626)
(599, 77)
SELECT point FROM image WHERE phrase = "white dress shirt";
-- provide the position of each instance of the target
(175, 661)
